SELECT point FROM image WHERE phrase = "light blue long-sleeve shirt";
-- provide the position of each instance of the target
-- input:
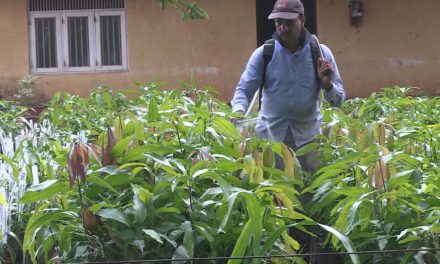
(290, 94)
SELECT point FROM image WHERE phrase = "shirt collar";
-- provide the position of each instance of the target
(305, 37)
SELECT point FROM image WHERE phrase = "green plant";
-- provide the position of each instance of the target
(380, 176)
(163, 169)
(164, 174)
(27, 94)
(189, 10)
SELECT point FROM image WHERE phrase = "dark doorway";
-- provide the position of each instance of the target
(265, 27)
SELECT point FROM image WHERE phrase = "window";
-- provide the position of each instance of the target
(77, 36)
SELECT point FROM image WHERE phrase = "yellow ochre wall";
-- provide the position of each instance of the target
(14, 56)
(161, 48)
(397, 44)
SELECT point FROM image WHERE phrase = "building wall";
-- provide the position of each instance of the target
(397, 44)
(161, 48)
(14, 56)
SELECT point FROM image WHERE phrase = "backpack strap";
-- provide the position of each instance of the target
(316, 54)
(268, 49)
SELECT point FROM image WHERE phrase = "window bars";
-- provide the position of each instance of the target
(58, 5)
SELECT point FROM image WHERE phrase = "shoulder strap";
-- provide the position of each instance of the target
(268, 49)
(316, 54)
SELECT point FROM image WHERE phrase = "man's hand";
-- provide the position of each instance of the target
(325, 73)
(239, 116)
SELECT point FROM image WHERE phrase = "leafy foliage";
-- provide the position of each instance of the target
(156, 175)
(381, 176)
(150, 173)
(189, 10)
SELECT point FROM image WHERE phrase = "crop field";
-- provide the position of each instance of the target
(151, 173)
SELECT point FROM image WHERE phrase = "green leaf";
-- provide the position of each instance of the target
(138, 153)
(274, 236)
(254, 211)
(242, 243)
(398, 179)
(409, 239)
(351, 191)
(167, 210)
(44, 191)
(121, 146)
(118, 179)
(307, 149)
(50, 217)
(229, 166)
(41, 186)
(203, 230)
(153, 234)
(199, 172)
(14, 166)
(180, 253)
(101, 182)
(31, 231)
(231, 200)
(114, 214)
(348, 244)
(224, 127)
(352, 157)
(188, 239)
(139, 208)
(353, 215)
(3, 200)
(402, 157)
(110, 169)
(331, 173)
(153, 113)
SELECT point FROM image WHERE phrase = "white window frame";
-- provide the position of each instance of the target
(63, 45)
(33, 43)
(65, 36)
(98, 41)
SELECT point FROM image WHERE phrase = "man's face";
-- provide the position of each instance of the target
(289, 29)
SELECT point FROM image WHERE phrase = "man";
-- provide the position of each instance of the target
(289, 102)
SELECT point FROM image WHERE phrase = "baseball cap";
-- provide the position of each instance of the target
(287, 9)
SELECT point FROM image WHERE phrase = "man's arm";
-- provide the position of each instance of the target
(249, 83)
(331, 82)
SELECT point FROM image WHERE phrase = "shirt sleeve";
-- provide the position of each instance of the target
(336, 96)
(249, 83)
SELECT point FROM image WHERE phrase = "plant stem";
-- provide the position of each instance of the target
(190, 196)
(178, 136)
(381, 175)
(376, 209)
(79, 191)
(436, 245)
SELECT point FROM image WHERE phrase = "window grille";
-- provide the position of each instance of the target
(78, 39)
(46, 42)
(56, 5)
(111, 49)
(77, 35)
